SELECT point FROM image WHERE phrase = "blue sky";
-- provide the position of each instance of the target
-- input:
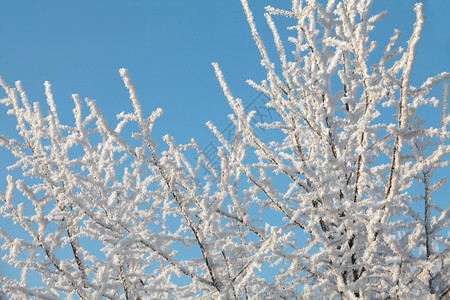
(168, 47)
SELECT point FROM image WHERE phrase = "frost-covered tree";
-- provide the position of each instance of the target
(334, 200)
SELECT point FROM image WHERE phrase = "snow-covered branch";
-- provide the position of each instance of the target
(343, 203)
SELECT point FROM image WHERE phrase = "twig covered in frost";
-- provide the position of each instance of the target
(327, 210)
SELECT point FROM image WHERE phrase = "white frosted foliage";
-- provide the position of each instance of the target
(339, 197)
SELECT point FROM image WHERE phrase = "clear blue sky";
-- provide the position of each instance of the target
(168, 47)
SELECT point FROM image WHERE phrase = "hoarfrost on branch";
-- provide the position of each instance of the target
(340, 205)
